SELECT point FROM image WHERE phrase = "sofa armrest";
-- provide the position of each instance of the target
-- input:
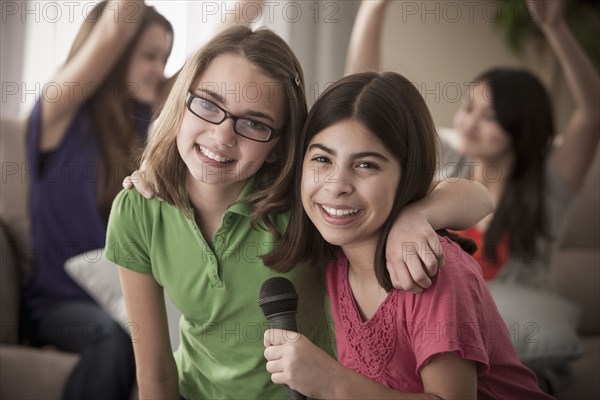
(577, 273)
(31, 373)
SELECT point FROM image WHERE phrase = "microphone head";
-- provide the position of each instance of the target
(277, 295)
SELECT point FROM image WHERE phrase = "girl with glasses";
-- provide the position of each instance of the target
(219, 156)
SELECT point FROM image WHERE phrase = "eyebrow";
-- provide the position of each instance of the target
(353, 155)
(250, 113)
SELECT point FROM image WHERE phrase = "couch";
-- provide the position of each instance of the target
(28, 372)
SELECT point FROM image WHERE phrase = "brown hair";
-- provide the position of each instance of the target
(165, 171)
(393, 110)
(111, 109)
(524, 110)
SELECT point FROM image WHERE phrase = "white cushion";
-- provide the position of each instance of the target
(100, 278)
(542, 325)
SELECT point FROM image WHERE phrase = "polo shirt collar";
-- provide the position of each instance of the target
(240, 206)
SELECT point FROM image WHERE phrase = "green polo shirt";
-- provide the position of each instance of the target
(215, 286)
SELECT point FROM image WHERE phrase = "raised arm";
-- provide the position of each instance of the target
(156, 369)
(582, 133)
(413, 250)
(84, 72)
(246, 12)
(364, 49)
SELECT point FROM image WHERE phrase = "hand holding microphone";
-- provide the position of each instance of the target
(292, 359)
(278, 301)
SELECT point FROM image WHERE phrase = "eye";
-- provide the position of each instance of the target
(321, 160)
(207, 105)
(368, 165)
(323, 163)
(253, 125)
(488, 115)
(150, 56)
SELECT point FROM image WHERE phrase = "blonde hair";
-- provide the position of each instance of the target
(164, 168)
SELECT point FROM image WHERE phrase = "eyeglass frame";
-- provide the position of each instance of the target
(227, 115)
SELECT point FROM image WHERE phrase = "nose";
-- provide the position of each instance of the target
(223, 134)
(337, 181)
(469, 122)
(158, 67)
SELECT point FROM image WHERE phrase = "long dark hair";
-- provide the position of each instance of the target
(523, 109)
(111, 108)
(391, 108)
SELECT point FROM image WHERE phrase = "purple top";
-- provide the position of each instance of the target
(63, 207)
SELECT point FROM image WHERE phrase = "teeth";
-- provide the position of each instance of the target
(340, 213)
(212, 155)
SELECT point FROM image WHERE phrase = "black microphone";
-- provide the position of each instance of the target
(278, 301)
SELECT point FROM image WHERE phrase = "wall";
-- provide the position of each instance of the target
(443, 45)
(440, 45)
(37, 35)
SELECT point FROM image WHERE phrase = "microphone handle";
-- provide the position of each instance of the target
(293, 395)
(286, 321)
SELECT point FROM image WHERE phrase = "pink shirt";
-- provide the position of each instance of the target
(457, 313)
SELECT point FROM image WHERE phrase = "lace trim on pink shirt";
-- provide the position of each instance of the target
(371, 344)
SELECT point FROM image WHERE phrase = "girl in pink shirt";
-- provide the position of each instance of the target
(368, 152)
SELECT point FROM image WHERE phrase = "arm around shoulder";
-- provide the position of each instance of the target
(413, 250)
(456, 204)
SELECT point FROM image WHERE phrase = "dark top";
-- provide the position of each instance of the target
(65, 220)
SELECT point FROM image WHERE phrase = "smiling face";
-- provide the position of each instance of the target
(349, 182)
(147, 65)
(215, 154)
(481, 134)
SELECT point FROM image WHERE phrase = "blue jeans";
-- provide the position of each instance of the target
(106, 369)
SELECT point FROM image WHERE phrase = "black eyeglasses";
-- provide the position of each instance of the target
(210, 112)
